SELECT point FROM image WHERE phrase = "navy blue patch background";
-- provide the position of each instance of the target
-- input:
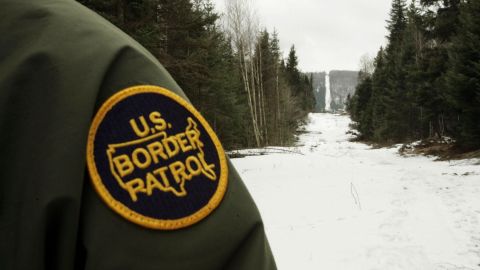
(115, 128)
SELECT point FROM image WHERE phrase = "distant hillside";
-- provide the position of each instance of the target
(342, 83)
(319, 90)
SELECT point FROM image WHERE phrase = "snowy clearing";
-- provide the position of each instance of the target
(339, 205)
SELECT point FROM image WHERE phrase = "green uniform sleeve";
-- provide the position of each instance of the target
(58, 63)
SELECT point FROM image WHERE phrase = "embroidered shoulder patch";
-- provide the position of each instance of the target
(155, 160)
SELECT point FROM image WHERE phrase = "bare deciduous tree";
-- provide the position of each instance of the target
(367, 64)
(242, 26)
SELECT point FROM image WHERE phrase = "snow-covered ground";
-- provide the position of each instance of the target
(338, 205)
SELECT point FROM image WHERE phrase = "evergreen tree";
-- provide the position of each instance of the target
(360, 108)
(394, 98)
(463, 77)
(292, 70)
(379, 90)
(411, 57)
(396, 26)
(138, 18)
(426, 82)
(301, 85)
(441, 21)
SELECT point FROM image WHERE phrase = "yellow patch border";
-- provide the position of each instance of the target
(119, 207)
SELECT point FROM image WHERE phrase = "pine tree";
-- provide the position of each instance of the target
(411, 58)
(138, 18)
(292, 70)
(394, 99)
(300, 83)
(377, 99)
(463, 78)
(360, 109)
(438, 116)
(274, 93)
(396, 26)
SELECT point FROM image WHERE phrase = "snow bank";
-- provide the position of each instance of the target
(334, 204)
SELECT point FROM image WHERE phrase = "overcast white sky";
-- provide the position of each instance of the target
(328, 34)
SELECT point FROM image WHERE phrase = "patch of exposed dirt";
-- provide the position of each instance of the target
(444, 150)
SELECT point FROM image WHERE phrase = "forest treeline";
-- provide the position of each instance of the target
(232, 72)
(426, 81)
